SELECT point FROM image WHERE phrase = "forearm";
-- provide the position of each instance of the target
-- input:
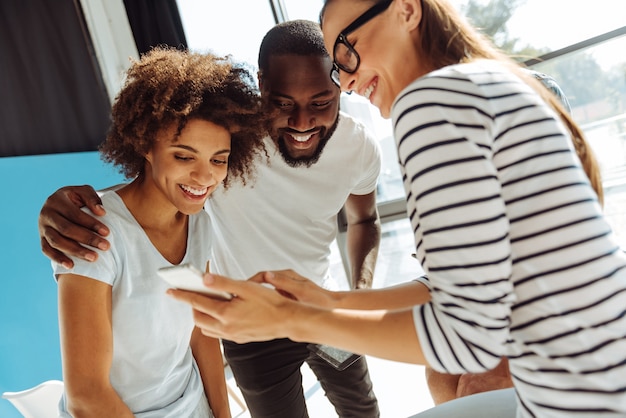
(88, 400)
(206, 351)
(363, 241)
(404, 295)
(261, 314)
(384, 334)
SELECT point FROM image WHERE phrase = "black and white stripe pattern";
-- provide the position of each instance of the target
(520, 259)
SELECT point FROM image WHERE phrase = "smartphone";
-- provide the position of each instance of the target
(337, 358)
(188, 277)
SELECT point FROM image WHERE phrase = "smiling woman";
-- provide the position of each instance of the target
(177, 123)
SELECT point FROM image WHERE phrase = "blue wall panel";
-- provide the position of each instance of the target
(29, 338)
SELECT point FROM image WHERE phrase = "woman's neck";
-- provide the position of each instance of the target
(164, 225)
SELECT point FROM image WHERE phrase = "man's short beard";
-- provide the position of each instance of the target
(307, 161)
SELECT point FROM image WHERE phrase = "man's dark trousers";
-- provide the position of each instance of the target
(268, 375)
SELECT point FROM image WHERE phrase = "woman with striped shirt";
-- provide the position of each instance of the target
(521, 262)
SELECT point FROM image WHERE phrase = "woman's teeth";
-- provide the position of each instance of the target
(194, 191)
(368, 91)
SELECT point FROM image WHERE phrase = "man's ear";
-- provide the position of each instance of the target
(410, 12)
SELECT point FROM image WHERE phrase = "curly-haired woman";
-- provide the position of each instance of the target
(180, 124)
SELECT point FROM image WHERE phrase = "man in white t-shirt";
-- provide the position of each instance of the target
(319, 161)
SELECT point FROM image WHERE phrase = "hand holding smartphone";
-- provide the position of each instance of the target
(188, 277)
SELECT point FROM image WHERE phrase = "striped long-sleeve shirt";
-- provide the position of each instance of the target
(520, 259)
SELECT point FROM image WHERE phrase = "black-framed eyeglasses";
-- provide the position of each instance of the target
(345, 56)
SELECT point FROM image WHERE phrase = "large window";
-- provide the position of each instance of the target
(582, 53)
(234, 27)
(555, 24)
(299, 9)
(594, 81)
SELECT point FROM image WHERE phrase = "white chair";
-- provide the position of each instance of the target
(40, 401)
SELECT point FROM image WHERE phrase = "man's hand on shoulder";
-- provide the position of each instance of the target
(64, 228)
